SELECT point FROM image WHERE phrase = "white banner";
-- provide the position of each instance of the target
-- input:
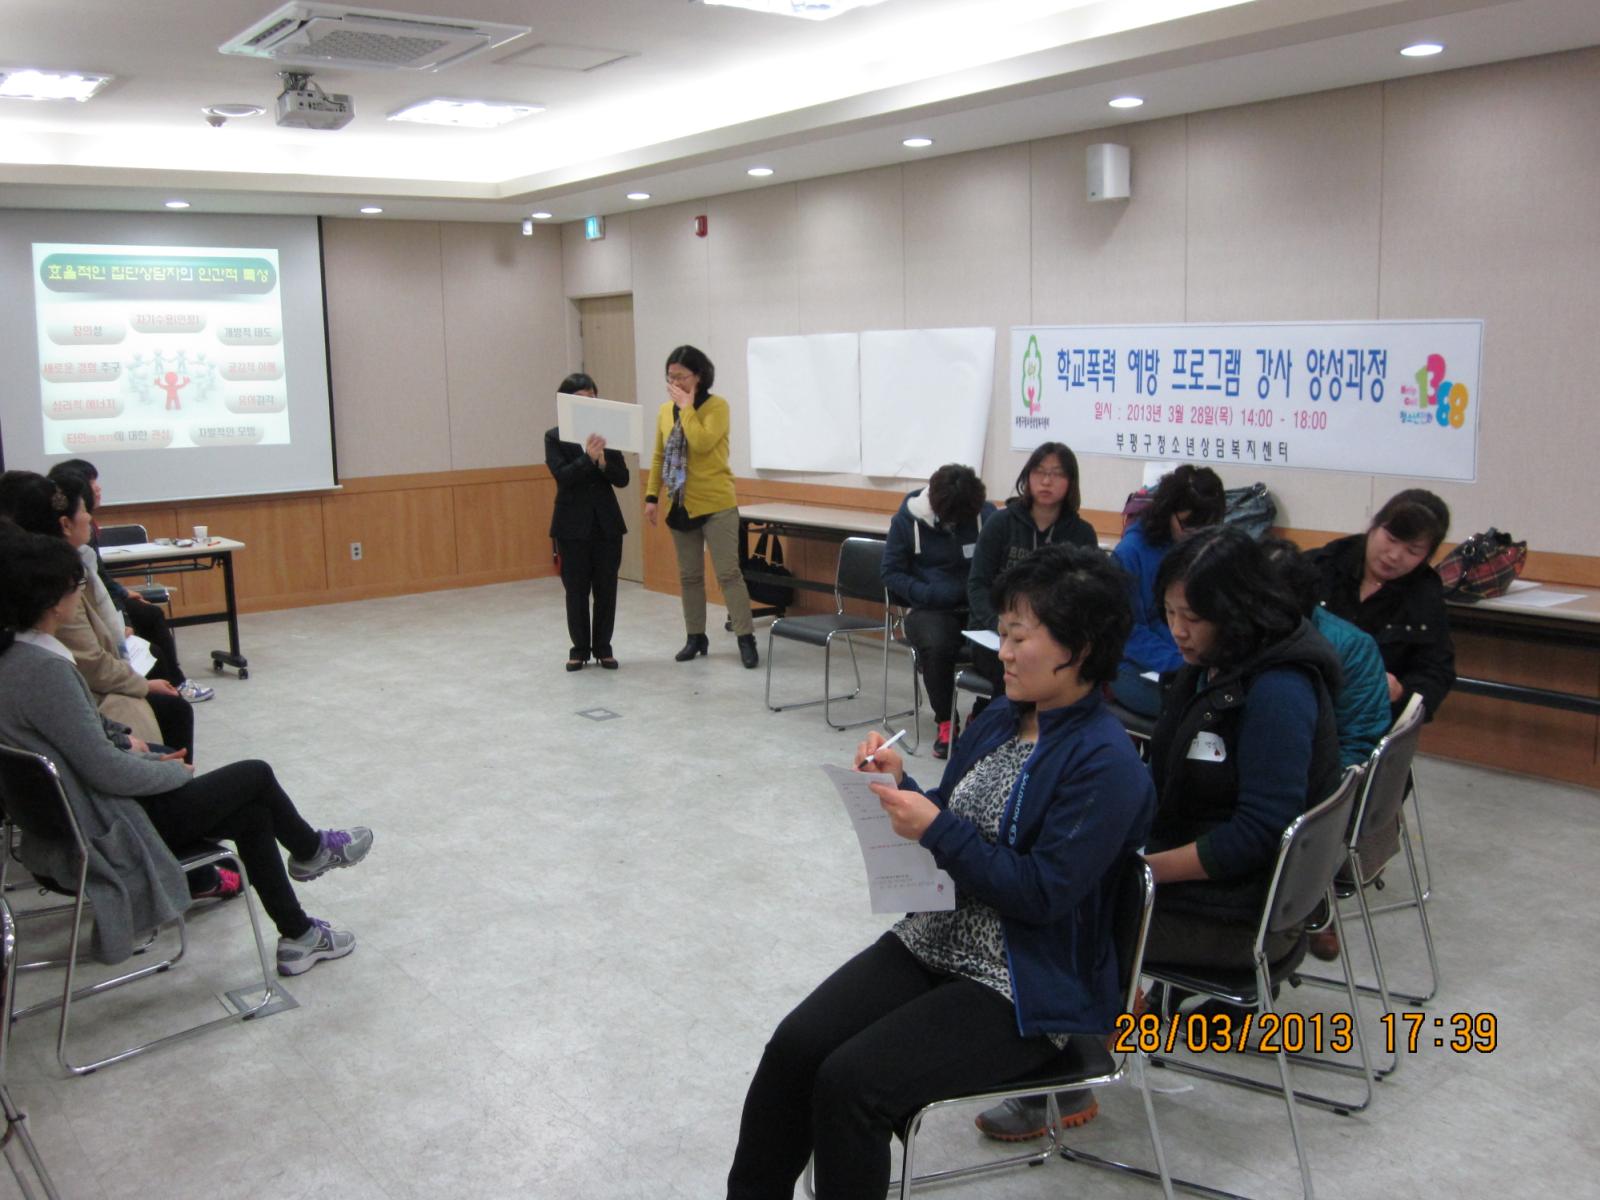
(805, 402)
(925, 396)
(1374, 397)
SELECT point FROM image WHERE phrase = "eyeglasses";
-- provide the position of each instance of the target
(1046, 473)
(681, 378)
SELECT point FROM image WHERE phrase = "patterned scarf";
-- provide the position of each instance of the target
(675, 461)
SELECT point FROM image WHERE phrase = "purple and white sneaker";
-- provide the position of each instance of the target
(339, 848)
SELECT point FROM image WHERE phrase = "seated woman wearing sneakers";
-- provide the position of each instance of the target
(993, 989)
(132, 803)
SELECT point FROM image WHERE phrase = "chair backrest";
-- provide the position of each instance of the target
(32, 798)
(1313, 849)
(123, 535)
(1388, 771)
(860, 572)
(1130, 922)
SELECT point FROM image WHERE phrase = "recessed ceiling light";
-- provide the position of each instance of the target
(469, 114)
(26, 83)
(809, 10)
(638, 195)
(177, 204)
(1126, 102)
(917, 143)
(759, 172)
(233, 112)
(1422, 50)
(541, 216)
(371, 210)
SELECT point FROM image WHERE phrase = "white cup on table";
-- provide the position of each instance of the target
(200, 534)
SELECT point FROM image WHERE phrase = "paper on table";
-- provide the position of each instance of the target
(132, 548)
(901, 875)
(139, 656)
(1521, 585)
(1539, 598)
(987, 638)
(620, 424)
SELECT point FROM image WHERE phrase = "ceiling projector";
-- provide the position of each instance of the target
(304, 105)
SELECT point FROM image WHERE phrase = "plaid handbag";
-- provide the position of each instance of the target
(1482, 566)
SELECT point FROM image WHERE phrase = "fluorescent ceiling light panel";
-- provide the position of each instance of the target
(917, 143)
(1126, 102)
(470, 114)
(1423, 50)
(541, 216)
(809, 10)
(28, 83)
(759, 172)
(177, 204)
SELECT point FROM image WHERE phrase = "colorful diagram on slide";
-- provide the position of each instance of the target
(157, 347)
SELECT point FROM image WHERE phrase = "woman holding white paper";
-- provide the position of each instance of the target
(691, 467)
(587, 526)
(1040, 801)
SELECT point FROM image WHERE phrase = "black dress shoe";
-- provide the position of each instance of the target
(747, 650)
(698, 643)
(575, 664)
(608, 663)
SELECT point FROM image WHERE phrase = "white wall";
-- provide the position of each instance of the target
(1473, 193)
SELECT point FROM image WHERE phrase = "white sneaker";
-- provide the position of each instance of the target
(298, 955)
(194, 693)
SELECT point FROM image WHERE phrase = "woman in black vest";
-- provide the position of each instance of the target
(587, 526)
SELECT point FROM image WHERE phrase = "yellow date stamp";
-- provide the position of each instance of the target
(1265, 1033)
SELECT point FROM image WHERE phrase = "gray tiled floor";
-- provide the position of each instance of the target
(575, 937)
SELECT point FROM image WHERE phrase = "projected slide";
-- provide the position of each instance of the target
(159, 347)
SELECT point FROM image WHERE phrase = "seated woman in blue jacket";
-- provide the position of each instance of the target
(1186, 499)
(925, 563)
(1042, 797)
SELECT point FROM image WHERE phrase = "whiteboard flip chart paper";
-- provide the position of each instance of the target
(618, 422)
(925, 397)
(805, 412)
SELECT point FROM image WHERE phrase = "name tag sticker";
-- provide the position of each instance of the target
(966, 551)
(1207, 747)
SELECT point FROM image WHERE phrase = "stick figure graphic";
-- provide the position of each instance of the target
(169, 384)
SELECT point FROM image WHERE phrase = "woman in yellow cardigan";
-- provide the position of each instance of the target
(691, 468)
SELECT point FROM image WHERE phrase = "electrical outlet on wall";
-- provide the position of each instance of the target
(355, 551)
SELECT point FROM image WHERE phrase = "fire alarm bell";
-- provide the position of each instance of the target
(700, 226)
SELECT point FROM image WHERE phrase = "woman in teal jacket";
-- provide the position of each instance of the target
(1042, 798)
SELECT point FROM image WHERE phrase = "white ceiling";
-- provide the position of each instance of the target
(704, 93)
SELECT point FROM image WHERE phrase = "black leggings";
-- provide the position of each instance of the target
(878, 1039)
(243, 803)
(175, 716)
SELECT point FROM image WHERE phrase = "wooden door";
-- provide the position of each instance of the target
(605, 325)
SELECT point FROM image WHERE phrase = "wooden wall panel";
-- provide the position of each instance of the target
(283, 553)
(406, 537)
(502, 529)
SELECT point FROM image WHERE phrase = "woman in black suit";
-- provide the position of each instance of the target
(587, 526)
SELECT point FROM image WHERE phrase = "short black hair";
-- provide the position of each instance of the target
(66, 470)
(1069, 464)
(1228, 581)
(1081, 596)
(37, 503)
(578, 382)
(696, 363)
(35, 573)
(1191, 489)
(956, 494)
(1297, 573)
(81, 465)
(1415, 515)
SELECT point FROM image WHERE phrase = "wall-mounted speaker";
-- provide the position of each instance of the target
(1109, 172)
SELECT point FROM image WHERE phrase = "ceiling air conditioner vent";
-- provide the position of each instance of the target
(366, 39)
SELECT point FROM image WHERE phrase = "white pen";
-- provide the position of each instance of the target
(871, 758)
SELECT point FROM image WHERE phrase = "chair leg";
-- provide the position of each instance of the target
(16, 1134)
(1264, 992)
(827, 688)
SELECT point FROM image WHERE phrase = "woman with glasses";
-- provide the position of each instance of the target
(126, 804)
(1043, 511)
(1185, 500)
(691, 468)
(151, 708)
